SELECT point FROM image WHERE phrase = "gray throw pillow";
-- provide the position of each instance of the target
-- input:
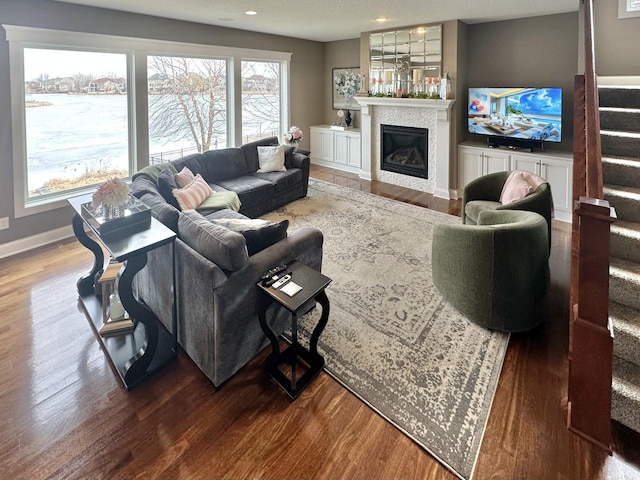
(166, 184)
(224, 247)
(258, 234)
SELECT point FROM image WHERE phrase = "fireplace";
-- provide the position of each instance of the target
(404, 150)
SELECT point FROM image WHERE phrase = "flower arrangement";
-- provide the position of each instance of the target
(111, 192)
(347, 84)
(293, 136)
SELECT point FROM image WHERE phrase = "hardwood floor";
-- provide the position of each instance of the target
(66, 415)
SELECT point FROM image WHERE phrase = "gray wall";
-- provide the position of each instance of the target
(341, 54)
(617, 41)
(530, 52)
(306, 76)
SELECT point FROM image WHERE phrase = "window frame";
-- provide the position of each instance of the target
(137, 50)
(624, 10)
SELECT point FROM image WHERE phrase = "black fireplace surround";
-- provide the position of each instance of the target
(404, 150)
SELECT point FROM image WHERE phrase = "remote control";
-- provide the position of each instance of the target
(274, 279)
(272, 272)
(282, 281)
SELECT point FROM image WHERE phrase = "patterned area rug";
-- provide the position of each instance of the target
(391, 338)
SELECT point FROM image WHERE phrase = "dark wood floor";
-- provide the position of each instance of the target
(65, 415)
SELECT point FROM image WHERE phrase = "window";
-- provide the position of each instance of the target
(187, 106)
(76, 120)
(260, 100)
(628, 8)
(87, 107)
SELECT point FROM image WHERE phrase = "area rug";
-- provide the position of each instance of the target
(391, 338)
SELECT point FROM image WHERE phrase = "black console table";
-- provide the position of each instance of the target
(150, 346)
(313, 285)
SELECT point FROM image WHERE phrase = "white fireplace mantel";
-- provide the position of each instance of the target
(438, 114)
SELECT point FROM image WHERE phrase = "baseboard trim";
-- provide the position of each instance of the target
(28, 243)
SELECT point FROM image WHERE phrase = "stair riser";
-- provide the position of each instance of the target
(627, 209)
(619, 97)
(625, 346)
(624, 247)
(626, 411)
(617, 174)
(617, 146)
(624, 291)
(621, 121)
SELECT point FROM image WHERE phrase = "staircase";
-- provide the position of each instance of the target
(620, 138)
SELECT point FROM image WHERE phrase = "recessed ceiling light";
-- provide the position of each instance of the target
(251, 12)
(381, 19)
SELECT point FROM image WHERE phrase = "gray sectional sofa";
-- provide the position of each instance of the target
(216, 278)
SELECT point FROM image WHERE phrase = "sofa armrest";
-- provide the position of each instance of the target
(303, 162)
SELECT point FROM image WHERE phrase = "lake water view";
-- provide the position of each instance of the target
(79, 133)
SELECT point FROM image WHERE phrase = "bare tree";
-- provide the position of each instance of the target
(261, 94)
(82, 80)
(191, 101)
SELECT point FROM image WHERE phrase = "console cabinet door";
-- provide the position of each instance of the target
(469, 165)
(341, 145)
(495, 161)
(354, 159)
(526, 163)
(559, 174)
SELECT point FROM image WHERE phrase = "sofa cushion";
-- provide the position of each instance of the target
(282, 181)
(225, 248)
(258, 234)
(166, 185)
(250, 189)
(191, 196)
(472, 209)
(161, 210)
(271, 159)
(217, 165)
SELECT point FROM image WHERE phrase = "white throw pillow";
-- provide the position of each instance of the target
(271, 159)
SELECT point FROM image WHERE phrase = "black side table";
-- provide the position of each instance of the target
(150, 346)
(313, 284)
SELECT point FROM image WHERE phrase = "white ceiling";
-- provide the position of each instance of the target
(328, 20)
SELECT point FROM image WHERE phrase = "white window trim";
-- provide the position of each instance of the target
(624, 11)
(20, 37)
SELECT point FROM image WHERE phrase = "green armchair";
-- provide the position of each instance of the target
(483, 193)
(495, 272)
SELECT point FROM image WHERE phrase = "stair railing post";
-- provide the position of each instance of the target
(591, 348)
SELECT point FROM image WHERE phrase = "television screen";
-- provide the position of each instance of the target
(522, 113)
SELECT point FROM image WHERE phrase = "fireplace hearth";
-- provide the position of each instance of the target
(404, 150)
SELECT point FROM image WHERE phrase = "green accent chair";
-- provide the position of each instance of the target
(496, 272)
(483, 193)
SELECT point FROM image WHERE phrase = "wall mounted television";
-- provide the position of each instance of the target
(516, 117)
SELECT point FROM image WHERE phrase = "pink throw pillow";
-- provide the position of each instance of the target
(184, 177)
(515, 188)
(191, 196)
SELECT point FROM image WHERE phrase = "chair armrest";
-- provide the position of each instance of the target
(487, 187)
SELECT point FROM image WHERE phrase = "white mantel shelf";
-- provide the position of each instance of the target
(406, 102)
(435, 113)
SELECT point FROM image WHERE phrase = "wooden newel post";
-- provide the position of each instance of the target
(591, 340)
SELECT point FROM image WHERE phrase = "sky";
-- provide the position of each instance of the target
(66, 63)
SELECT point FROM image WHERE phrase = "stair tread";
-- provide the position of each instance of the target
(627, 229)
(620, 133)
(619, 264)
(629, 161)
(622, 191)
(624, 317)
(619, 109)
(626, 378)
